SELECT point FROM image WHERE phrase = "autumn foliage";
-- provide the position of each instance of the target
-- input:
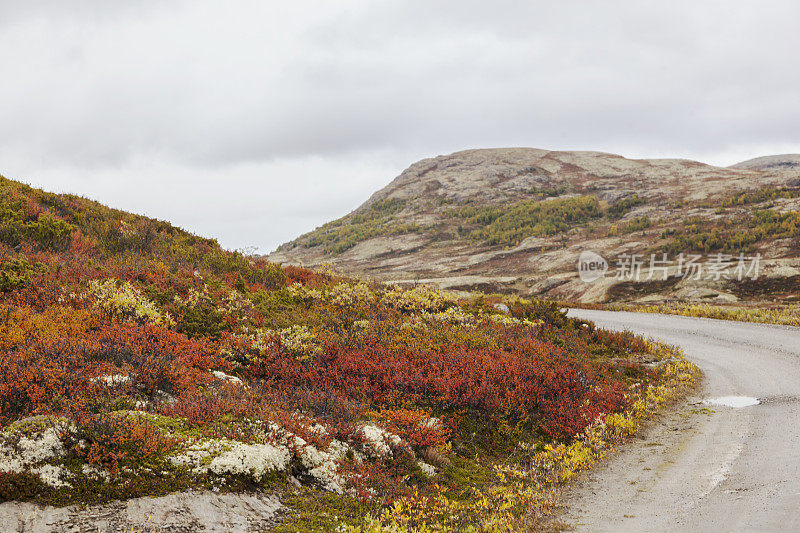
(110, 320)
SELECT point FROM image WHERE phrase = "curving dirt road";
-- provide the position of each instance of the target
(705, 467)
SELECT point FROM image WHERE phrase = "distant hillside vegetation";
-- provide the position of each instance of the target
(516, 220)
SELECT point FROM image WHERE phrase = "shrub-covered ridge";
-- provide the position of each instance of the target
(138, 359)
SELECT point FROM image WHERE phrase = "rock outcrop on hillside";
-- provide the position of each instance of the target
(517, 220)
(179, 512)
(771, 162)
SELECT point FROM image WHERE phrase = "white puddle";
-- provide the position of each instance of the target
(733, 401)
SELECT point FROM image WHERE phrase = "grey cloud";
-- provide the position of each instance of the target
(91, 89)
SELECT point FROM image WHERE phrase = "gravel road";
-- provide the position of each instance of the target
(706, 467)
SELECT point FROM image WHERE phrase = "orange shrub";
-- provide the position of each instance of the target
(529, 378)
(21, 323)
(51, 373)
(110, 441)
(159, 359)
(296, 274)
(44, 376)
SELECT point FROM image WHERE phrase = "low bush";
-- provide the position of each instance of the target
(530, 378)
(112, 441)
(15, 274)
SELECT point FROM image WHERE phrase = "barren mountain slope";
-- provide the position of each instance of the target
(771, 162)
(516, 220)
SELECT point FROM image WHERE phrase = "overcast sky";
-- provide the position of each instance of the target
(256, 121)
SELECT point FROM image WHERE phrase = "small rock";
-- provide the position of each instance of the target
(503, 308)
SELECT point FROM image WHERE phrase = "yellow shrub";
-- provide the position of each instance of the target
(346, 294)
(420, 298)
(124, 301)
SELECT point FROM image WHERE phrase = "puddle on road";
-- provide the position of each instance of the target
(733, 401)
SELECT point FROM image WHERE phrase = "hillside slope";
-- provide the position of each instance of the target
(771, 162)
(139, 360)
(517, 219)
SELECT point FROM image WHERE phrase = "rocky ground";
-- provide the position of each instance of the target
(179, 512)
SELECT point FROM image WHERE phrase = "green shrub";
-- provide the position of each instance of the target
(202, 320)
(19, 486)
(624, 205)
(376, 220)
(15, 274)
(549, 192)
(740, 235)
(273, 277)
(279, 308)
(533, 218)
(636, 224)
(50, 232)
(18, 222)
(763, 194)
(477, 214)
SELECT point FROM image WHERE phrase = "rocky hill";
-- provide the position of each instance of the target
(771, 162)
(518, 219)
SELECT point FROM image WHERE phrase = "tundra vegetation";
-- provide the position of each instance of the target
(138, 359)
(516, 220)
(785, 315)
(508, 225)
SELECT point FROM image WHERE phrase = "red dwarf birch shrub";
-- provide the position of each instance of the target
(110, 441)
(158, 359)
(534, 378)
